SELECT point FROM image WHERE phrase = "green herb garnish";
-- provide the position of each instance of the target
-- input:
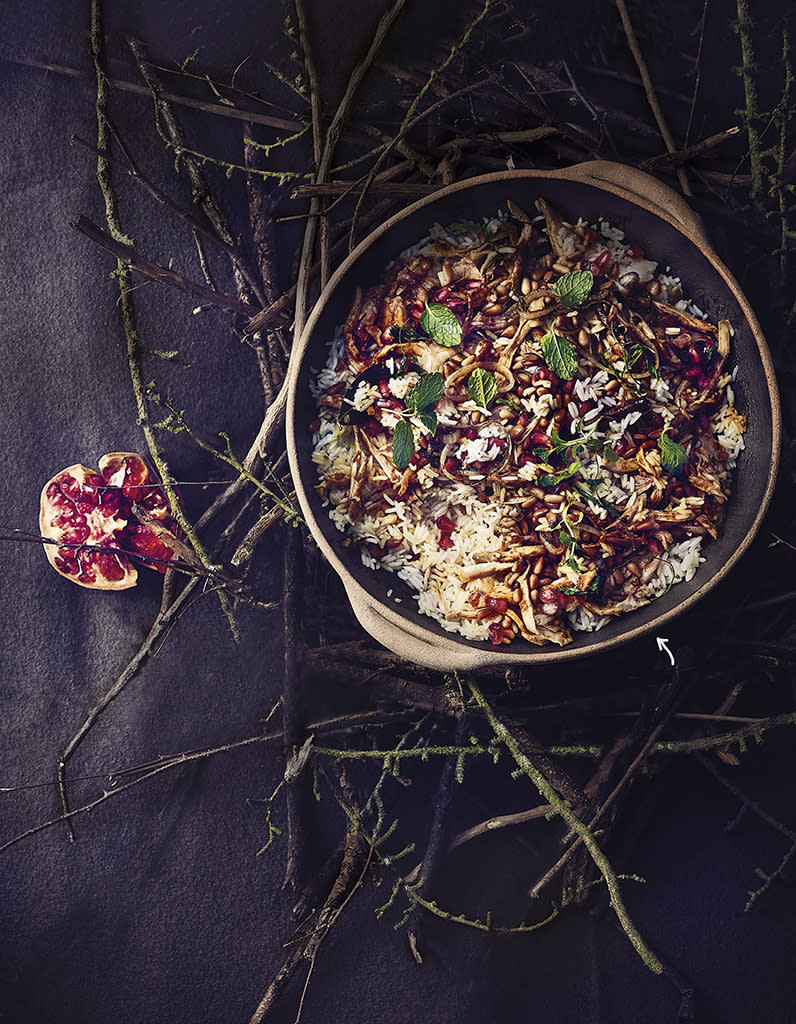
(429, 421)
(632, 354)
(593, 587)
(425, 394)
(552, 480)
(609, 453)
(403, 444)
(420, 404)
(559, 355)
(673, 455)
(406, 332)
(481, 387)
(441, 325)
(573, 289)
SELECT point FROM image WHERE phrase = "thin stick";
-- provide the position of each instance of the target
(245, 279)
(332, 137)
(272, 345)
(562, 808)
(245, 549)
(162, 623)
(600, 812)
(291, 709)
(744, 27)
(493, 824)
(698, 75)
(130, 260)
(317, 139)
(157, 194)
(337, 723)
(334, 189)
(435, 847)
(348, 880)
(220, 109)
(649, 90)
(68, 815)
(681, 156)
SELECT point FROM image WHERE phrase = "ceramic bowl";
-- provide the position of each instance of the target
(652, 216)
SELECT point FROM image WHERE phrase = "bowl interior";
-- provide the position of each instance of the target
(702, 282)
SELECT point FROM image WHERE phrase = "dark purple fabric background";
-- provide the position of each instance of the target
(162, 910)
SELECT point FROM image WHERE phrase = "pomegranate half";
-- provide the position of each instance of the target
(81, 507)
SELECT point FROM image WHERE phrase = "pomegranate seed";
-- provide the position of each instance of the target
(496, 633)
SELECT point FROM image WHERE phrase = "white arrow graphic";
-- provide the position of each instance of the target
(663, 643)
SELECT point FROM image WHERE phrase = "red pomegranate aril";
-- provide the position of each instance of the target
(496, 632)
(498, 604)
(623, 448)
(549, 595)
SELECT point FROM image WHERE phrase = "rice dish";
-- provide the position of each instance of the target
(528, 424)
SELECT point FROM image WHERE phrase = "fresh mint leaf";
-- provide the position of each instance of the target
(559, 355)
(425, 394)
(403, 444)
(429, 421)
(441, 325)
(673, 455)
(481, 387)
(573, 289)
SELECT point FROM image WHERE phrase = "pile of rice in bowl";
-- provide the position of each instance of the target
(526, 422)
